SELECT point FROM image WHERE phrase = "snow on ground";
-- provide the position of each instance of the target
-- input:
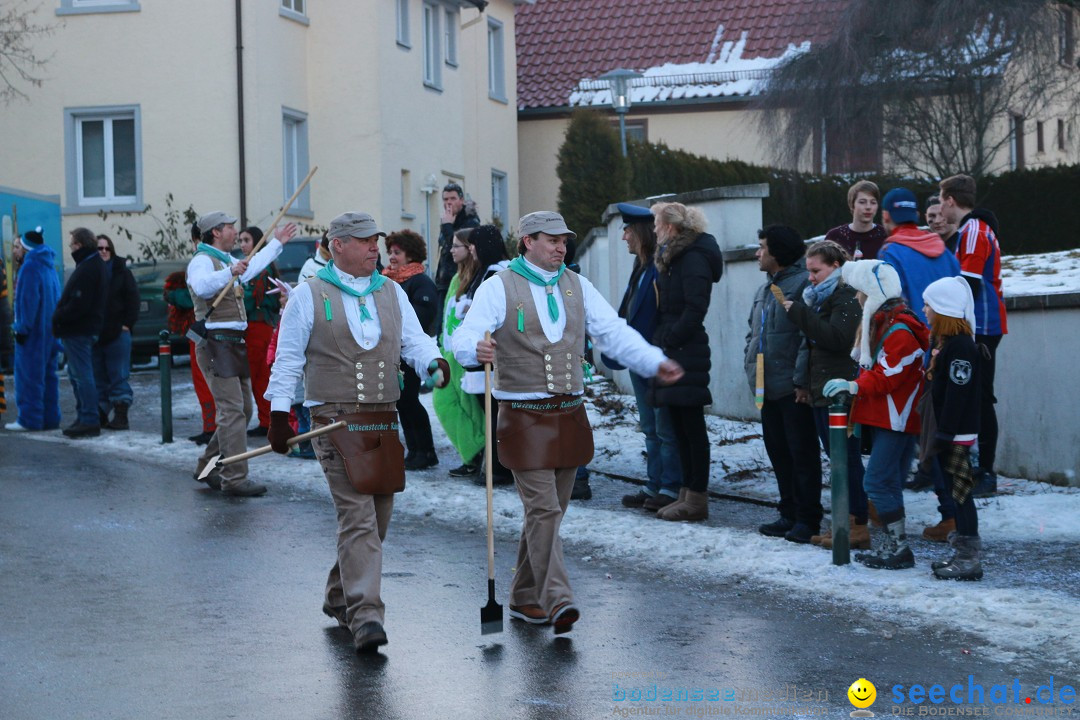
(1045, 273)
(1012, 621)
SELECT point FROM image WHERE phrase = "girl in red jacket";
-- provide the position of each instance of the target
(890, 349)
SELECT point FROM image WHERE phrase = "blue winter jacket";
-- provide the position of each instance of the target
(37, 291)
(638, 306)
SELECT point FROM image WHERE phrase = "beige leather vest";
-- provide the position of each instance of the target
(527, 362)
(231, 307)
(338, 370)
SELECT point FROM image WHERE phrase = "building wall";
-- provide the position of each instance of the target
(368, 113)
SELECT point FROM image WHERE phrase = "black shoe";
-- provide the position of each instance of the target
(496, 479)
(581, 490)
(636, 500)
(247, 488)
(303, 451)
(337, 613)
(258, 431)
(985, 484)
(466, 470)
(369, 637)
(120, 418)
(103, 418)
(202, 438)
(659, 502)
(78, 430)
(778, 528)
(801, 533)
(421, 460)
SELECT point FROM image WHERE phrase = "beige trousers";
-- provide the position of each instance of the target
(541, 577)
(355, 581)
(232, 400)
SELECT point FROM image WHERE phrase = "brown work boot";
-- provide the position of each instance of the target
(872, 512)
(858, 538)
(672, 506)
(940, 532)
(694, 507)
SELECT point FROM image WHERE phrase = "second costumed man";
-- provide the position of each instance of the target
(346, 331)
(538, 313)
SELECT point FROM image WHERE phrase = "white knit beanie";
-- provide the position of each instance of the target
(951, 297)
(879, 282)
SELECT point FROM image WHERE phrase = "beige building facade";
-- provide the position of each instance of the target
(391, 99)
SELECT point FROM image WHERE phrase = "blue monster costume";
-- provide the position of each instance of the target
(37, 290)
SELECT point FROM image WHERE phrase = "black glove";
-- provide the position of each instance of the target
(280, 431)
(21, 338)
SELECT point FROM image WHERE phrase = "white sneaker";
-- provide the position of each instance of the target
(15, 427)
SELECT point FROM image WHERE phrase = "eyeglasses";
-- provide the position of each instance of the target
(103, 248)
(457, 246)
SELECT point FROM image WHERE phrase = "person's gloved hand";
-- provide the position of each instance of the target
(280, 431)
(438, 374)
(838, 385)
(21, 338)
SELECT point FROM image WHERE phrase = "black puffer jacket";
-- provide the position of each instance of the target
(687, 266)
(422, 297)
(122, 308)
(828, 336)
(81, 308)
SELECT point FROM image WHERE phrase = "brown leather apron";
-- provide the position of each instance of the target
(228, 353)
(542, 434)
(369, 445)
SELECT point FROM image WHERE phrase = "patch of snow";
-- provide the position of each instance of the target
(1041, 274)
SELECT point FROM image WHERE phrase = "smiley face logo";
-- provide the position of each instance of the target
(862, 694)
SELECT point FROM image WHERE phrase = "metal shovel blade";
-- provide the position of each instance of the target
(211, 466)
(491, 615)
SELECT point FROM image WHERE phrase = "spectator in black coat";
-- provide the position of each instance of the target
(456, 214)
(78, 320)
(407, 252)
(112, 353)
(688, 263)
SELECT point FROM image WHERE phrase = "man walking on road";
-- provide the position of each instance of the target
(221, 355)
(346, 331)
(538, 314)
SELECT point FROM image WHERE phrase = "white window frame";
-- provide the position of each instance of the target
(450, 37)
(496, 60)
(87, 7)
(403, 24)
(500, 196)
(77, 202)
(432, 41)
(294, 158)
(294, 10)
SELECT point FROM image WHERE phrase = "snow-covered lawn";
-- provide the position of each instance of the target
(1047, 273)
(1014, 622)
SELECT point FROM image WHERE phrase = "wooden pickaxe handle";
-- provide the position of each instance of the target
(292, 441)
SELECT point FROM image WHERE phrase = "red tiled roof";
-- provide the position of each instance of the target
(560, 42)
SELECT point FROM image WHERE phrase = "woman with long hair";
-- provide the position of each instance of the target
(112, 352)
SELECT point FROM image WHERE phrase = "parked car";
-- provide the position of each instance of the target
(154, 312)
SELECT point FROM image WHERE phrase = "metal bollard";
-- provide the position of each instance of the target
(838, 442)
(165, 367)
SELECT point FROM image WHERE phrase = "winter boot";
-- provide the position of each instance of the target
(872, 512)
(966, 564)
(103, 418)
(858, 537)
(938, 564)
(894, 553)
(120, 418)
(672, 506)
(985, 484)
(940, 532)
(694, 507)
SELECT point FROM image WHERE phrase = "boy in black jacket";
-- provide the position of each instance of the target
(955, 392)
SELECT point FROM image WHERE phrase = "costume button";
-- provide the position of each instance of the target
(547, 367)
(568, 387)
(382, 375)
(359, 366)
(550, 376)
(547, 357)
(568, 356)
(568, 377)
(360, 397)
(569, 366)
(551, 386)
(381, 386)
(382, 364)
(359, 376)
(359, 386)
(379, 396)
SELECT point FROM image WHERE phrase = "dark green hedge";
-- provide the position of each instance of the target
(1038, 210)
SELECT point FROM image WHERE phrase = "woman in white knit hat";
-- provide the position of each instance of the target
(954, 390)
(890, 349)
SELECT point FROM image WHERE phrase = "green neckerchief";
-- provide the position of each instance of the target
(214, 253)
(518, 265)
(329, 274)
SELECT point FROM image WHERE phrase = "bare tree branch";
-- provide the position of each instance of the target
(20, 65)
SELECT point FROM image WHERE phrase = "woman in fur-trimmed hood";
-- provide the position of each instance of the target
(688, 263)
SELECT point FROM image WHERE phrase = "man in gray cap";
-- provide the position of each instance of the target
(346, 331)
(221, 355)
(538, 314)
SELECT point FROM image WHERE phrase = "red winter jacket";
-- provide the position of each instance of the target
(890, 389)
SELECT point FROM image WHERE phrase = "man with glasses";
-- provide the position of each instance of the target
(456, 214)
(112, 353)
(78, 320)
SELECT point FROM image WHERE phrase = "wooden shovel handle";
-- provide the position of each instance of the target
(487, 466)
(292, 441)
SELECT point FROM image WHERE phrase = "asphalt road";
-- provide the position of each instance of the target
(129, 591)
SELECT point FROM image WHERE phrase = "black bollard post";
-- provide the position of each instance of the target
(165, 367)
(838, 440)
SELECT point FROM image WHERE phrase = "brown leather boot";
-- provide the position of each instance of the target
(858, 537)
(662, 512)
(693, 508)
(940, 532)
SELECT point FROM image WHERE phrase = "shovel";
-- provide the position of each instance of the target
(197, 332)
(491, 615)
(217, 461)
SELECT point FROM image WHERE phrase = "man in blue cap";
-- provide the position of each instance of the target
(920, 257)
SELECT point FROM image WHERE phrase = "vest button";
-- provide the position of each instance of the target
(381, 386)
(359, 386)
(379, 396)
(359, 366)
(550, 376)
(569, 366)
(547, 367)
(568, 377)
(360, 397)
(382, 375)
(359, 376)
(568, 356)
(383, 364)
(547, 357)
(551, 386)
(568, 387)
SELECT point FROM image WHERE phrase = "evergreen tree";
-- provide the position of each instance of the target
(592, 171)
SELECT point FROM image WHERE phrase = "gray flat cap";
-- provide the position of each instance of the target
(544, 221)
(353, 224)
(209, 221)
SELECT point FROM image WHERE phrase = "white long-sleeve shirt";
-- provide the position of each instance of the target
(206, 282)
(417, 348)
(602, 323)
